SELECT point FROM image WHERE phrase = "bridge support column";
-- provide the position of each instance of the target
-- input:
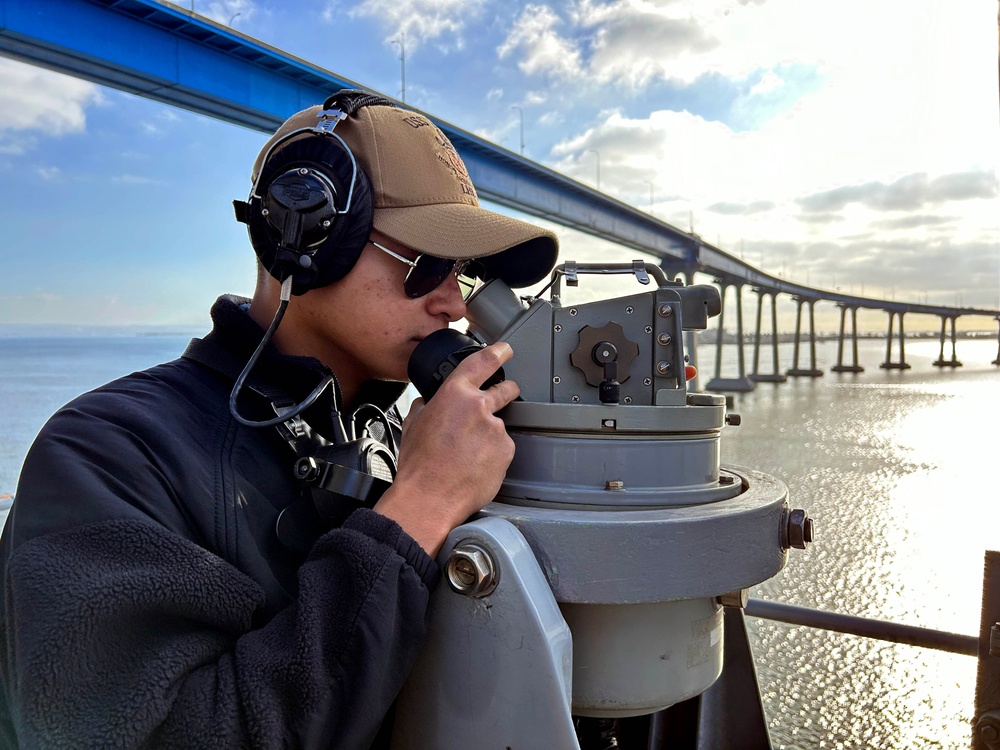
(741, 383)
(812, 371)
(902, 364)
(997, 360)
(840, 366)
(775, 376)
(941, 361)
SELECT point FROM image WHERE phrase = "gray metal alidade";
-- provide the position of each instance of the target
(591, 585)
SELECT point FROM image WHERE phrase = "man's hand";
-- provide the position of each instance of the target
(454, 453)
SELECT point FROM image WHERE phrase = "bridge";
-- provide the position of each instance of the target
(177, 57)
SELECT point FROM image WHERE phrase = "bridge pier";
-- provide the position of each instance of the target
(812, 371)
(740, 384)
(997, 360)
(775, 376)
(941, 361)
(888, 364)
(840, 366)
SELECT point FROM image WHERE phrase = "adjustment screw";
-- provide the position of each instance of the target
(303, 171)
(665, 310)
(614, 485)
(733, 420)
(471, 571)
(663, 368)
(664, 339)
(799, 529)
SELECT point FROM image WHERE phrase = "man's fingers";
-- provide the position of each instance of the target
(477, 368)
(502, 393)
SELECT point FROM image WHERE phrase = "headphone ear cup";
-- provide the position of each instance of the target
(334, 253)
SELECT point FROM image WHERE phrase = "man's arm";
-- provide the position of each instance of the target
(119, 631)
(454, 453)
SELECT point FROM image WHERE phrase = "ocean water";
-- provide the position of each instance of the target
(895, 468)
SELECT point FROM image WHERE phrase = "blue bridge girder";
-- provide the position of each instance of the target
(175, 56)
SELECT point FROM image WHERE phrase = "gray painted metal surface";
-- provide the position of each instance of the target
(634, 556)
(495, 671)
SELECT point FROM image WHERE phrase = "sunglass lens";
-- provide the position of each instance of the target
(427, 275)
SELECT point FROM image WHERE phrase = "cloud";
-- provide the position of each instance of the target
(908, 193)
(741, 209)
(543, 51)
(36, 102)
(422, 20)
(493, 94)
(49, 173)
(914, 221)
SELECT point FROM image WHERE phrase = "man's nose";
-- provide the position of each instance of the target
(447, 299)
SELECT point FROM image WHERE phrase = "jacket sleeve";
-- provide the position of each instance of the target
(120, 632)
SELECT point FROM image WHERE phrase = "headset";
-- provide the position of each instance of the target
(309, 216)
(311, 207)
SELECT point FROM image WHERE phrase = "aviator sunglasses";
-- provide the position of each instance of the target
(427, 273)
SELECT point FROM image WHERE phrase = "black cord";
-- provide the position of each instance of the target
(286, 288)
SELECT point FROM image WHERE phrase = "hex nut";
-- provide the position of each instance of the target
(988, 728)
(470, 570)
(799, 529)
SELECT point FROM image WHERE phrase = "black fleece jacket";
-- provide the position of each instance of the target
(146, 599)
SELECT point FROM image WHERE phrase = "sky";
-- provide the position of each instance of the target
(851, 146)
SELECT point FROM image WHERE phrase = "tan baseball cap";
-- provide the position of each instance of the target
(424, 198)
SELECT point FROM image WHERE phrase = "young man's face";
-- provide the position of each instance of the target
(364, 326)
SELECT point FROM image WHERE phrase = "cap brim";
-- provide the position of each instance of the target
(515, 251)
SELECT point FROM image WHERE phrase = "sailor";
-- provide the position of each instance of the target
(154, 593)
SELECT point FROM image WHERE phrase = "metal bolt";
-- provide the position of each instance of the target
(609, 423)
(799, 529)
(471, 571)
(573, 311)
(995, 640)
(663, 368)
(727, 479)
(326, 223)
(733, 420)
(665, 310)
(614, 485)
(988, 728)
(264, 212)
(629, 310)
(557, 328)
(306, 469)
(303, 171)
(575, 399)
(648, 329)
(664, 339)
(557, 380)
(627, 400)
(647, 381)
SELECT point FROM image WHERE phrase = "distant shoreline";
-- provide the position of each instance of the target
(66, 330)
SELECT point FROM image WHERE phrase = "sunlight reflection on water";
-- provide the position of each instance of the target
(895, 469)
